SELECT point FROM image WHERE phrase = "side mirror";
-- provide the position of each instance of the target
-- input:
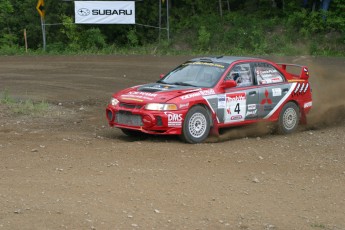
(161, 75)
(229, 84)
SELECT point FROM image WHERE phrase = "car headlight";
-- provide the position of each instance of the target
(158, 106)
(114, 101)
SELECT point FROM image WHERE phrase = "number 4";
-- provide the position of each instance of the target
(237, 108)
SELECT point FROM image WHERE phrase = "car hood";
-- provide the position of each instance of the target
(154, 92)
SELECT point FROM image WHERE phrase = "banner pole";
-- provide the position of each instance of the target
(160, 20)
(43, 33)
(26, 41)
(168, 29)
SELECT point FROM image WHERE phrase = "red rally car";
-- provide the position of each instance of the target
(205, 94)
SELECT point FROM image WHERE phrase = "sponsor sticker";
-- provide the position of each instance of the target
(184, 105)
(141, 95)
(268, 107)
(157, 87)
(251, 113)
(207, 92)
(308, 104)
(236, 117)
(206, 63)
(221, 101)
(271, 80)
(235, 108)
(276, 92)
(199, 93)
(251, 106)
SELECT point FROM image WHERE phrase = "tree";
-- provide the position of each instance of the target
(6, 37)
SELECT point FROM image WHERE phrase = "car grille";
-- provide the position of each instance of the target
(127, 118)
(130, 106)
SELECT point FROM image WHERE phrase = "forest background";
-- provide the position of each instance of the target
(231, 27)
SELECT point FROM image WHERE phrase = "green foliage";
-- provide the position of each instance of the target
(79, 39)
(8, 44)
(28, 107)
(70, 30)
(248, 27)
(336, 15)
(132, 38)
(93, 39)
(6, 9)
(203, 38)
(5, 98)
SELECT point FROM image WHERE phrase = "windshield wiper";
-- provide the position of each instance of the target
(161, 81)
(183, 83)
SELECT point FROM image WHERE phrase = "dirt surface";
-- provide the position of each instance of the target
(66, 169)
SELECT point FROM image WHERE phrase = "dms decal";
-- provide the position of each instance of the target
(235, 108)
(174, 119)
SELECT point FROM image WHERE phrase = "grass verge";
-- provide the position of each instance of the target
(22, 107)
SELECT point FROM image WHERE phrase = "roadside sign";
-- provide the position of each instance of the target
(40, 9)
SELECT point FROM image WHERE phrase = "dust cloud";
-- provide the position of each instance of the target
(328, 85)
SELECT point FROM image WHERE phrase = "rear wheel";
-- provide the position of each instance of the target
(289, 118)
(196, 125)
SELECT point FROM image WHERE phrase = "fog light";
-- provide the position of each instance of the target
(110, 115)
(148, 121)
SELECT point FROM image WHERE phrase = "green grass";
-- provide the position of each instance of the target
(23, 107)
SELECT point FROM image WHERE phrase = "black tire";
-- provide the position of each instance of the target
(196, 125)
(288, 118)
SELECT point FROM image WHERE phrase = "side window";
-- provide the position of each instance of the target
(242, 74)
(267, 74)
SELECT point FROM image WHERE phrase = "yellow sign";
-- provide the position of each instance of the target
(39, 8)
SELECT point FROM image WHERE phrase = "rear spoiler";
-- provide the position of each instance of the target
(303, 74)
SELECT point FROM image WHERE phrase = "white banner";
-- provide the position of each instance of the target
(104, 12)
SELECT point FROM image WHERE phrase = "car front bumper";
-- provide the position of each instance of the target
(146, 121)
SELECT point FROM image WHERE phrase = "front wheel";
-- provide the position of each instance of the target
(288, 118)
(196, 125)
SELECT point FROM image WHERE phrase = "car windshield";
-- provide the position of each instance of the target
(198, 74)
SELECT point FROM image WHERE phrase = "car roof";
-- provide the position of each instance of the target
(224, 59)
